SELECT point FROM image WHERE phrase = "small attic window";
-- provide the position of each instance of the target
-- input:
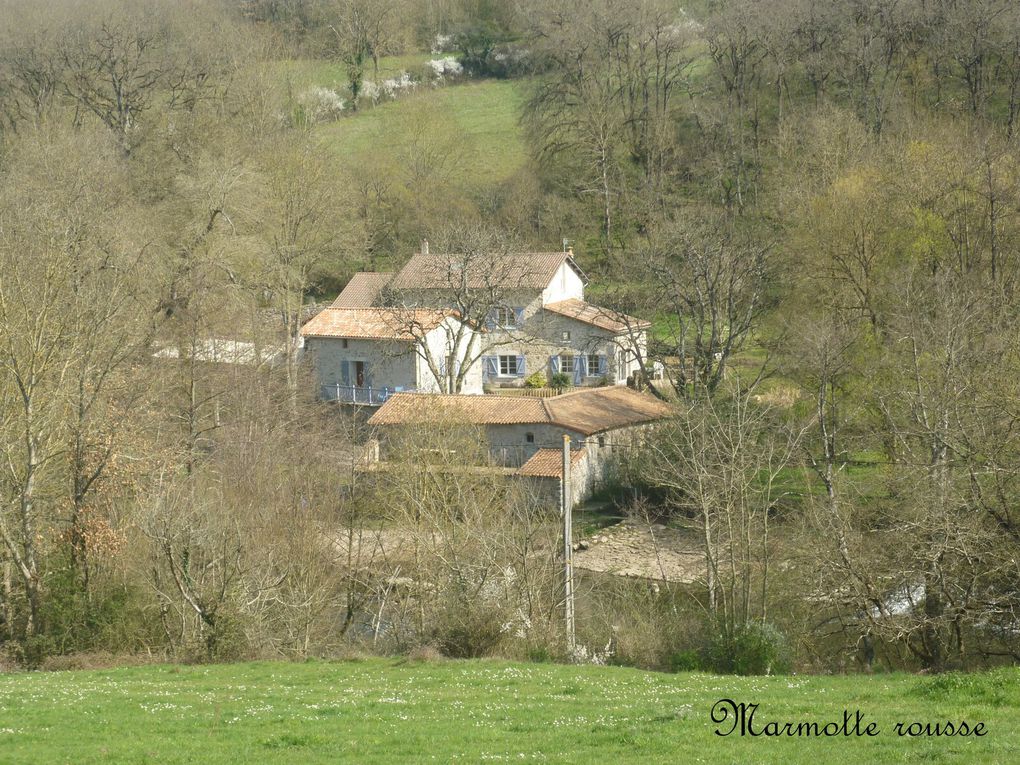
(529, 437)
(602, 441)
(565, 335)
(343, 343)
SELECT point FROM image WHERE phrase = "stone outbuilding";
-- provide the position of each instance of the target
(527, 433)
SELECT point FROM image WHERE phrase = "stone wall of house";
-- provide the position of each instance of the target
(604, 453)
(509, 444)
(388, 364)
(547, 334)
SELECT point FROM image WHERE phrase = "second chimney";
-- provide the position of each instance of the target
(424, 246)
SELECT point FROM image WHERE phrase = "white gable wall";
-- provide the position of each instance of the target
(564, 285)
(439, 341)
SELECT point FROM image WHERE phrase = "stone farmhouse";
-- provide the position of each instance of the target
(504, 317)
(364, 355)
(526, 433)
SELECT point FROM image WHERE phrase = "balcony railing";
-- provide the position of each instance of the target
(355, 394)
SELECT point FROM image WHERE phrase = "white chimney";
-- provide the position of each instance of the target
(424, 246)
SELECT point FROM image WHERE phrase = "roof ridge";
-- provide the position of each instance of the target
(545, 408)
(587, 390)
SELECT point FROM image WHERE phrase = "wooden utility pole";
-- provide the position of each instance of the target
(567, 511)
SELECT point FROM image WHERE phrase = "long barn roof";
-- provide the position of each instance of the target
(587, 411)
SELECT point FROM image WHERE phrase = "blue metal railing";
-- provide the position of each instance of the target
(354, 394)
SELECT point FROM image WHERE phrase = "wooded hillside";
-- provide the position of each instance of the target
(816, 203)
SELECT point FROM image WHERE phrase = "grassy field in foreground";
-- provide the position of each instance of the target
(388, 711)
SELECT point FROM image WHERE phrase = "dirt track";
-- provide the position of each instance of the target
(627, 548)
(640, 550)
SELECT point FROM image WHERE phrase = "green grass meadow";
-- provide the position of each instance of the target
(394, 711)
(481, 115)
(481, 118)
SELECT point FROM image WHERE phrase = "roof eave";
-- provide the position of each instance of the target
(577, 269)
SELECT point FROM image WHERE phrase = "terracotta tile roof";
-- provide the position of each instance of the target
(548, 463)
(586, 411)
(526, 269)
(603, 318)
(373, 323)
(363, 289)
(593, 410)
(420, 408)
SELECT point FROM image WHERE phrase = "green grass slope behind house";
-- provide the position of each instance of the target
(480, 116)
(385, 711)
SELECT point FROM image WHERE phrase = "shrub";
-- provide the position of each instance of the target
(469, 633)
(685, 661)
(748, 649)
(318, 104)
(441, 69)
(535, 380)
(33, 651)
(559, 381)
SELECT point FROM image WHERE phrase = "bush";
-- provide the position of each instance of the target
(33, 651)
(535, 380)
(685, 661)
(318, 104)
(469, 633)
(442, 69)
(559, 381)
(749, 649)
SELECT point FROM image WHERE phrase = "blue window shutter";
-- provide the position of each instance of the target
(490, 320)
(603, 365)
(554, 365)
(442, 365)
(520, 366)
(580, 362)
(519, 316)
(368, 375)
(490, 366)
(345, 372)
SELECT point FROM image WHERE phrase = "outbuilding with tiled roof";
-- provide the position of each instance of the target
(527, 433)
